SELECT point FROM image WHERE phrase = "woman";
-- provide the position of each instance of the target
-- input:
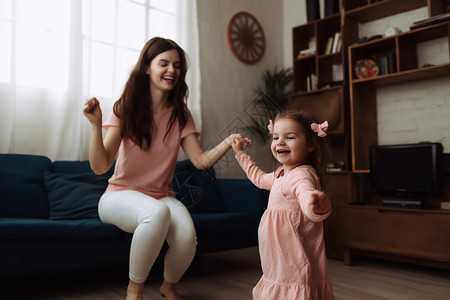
(148, 124)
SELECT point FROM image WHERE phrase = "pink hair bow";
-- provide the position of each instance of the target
(320, 128)
(270, 126)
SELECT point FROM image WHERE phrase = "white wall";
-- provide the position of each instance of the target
(294, 14)
(228, 85)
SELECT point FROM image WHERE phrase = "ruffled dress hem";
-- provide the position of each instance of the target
(269, 290)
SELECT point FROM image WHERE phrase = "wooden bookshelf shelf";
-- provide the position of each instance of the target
(369, 12)
(409, 76)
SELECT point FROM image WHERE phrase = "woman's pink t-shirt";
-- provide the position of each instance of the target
(149, 171)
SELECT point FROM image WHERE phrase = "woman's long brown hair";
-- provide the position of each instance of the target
(134, 107)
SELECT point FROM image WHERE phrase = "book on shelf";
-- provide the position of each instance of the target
(306, 52)
(329, 45)
(433, 18)
(311, 82)
(335, 42)
(339, 45)
(382, 65)
(392, 66)
(430, 21)
(386, 64)
(336, 166)
(445, 205)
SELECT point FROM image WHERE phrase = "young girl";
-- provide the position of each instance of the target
(149, 123)
(290, 233)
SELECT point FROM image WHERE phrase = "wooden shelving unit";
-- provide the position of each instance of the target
(326, 96)
(406, 235)
(406, 70)
(351, 105)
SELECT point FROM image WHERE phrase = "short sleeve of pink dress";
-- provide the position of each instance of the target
(290, 238)
(149, 171)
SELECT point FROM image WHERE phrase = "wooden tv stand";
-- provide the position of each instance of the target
(419, 236)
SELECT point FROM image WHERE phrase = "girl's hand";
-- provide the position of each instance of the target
(320, 203)
(92, 111)
(239, 142)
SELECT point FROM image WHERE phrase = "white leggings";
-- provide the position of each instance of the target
(152, 222)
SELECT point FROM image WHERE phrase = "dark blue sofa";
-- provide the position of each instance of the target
(49, 220)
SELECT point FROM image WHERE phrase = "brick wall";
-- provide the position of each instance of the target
(418, 111)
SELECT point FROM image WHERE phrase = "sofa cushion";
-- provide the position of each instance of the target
(22, 189)
(74, 196)
(41, 230)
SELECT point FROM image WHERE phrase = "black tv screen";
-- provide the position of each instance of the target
(407, 171)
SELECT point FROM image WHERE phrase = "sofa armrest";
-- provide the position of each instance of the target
(241, 195)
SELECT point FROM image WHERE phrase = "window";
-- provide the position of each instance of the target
(54, 54)
(40, 41)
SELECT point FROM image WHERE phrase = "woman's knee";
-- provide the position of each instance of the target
(159, 213)
(184, 237)
(188, 236)
(184, 243)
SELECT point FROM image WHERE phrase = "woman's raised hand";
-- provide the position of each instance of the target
(92, 111)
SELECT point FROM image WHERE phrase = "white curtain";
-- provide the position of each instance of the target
(54, 54)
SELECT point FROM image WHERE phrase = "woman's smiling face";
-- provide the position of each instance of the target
(289, 144)
(164, 70)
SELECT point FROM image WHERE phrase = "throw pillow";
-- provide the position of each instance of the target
(197, 189)
(208, 193)
(74, 196)
(183, 188)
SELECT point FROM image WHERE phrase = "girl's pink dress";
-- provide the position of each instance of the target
(290, 236)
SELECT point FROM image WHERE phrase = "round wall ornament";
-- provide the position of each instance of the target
(246, 38)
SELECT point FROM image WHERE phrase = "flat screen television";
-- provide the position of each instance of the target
(407, 174)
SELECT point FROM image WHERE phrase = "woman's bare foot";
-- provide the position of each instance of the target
(135, 291)
(168, 291)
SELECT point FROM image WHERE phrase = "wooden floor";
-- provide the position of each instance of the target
(231, 275)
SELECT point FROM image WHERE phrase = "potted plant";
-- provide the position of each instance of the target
(270, 99)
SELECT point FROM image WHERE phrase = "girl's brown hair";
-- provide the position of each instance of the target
(134, 107)
(319, 158)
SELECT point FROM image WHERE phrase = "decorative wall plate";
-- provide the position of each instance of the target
(366, 68)
(246, 38)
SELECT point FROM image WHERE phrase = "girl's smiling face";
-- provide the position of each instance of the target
(289, 144)
(164, 70)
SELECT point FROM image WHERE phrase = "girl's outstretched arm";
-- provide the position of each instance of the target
(205, 159)
(320, 203)
(254, 173)
(314, 203)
